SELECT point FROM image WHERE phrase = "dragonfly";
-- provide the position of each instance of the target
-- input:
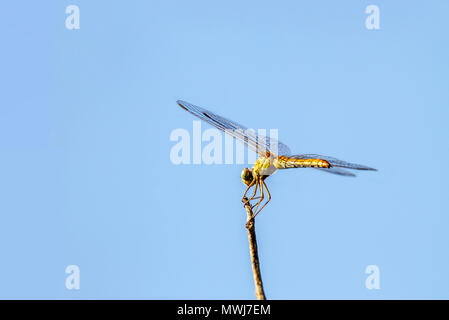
(273, 155)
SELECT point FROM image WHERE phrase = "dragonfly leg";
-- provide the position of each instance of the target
(255, 192)
(261, 197)
(269, 198)
(250, 185)
(252, 205)
(255, 198)
(256, 182)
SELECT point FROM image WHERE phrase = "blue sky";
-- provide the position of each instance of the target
(85, 171)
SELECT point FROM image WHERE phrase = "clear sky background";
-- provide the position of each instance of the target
(85, 171)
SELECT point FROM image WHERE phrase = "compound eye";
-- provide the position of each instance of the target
(247, 176)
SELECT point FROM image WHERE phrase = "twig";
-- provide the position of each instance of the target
(260, 295)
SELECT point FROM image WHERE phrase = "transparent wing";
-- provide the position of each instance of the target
(255, 142)
(334, 163)
(338, 171)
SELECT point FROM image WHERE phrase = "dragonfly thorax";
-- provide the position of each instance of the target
(264, 166)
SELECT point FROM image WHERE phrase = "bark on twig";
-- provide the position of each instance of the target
(260, 295)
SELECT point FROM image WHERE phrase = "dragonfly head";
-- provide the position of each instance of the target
(247, 176)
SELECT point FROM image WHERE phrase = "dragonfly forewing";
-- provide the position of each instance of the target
(253, 141)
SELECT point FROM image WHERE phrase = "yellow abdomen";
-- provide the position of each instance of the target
(283, 162)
